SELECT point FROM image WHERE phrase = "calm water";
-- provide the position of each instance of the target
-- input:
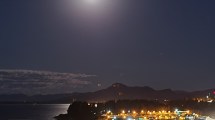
(32, 112)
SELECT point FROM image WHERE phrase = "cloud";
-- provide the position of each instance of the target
(42, 82)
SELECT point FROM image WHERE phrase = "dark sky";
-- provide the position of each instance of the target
(158, 43)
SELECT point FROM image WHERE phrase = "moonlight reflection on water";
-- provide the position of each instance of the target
(32, 112)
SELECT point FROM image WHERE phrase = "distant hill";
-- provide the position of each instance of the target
(120, 91)
(115, 92)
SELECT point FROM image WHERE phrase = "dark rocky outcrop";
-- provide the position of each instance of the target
(79, 111)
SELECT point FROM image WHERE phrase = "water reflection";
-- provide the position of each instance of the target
(32, 112)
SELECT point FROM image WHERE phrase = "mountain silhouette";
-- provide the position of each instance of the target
(116, 91)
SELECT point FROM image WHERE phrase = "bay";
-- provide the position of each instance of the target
(31, 111)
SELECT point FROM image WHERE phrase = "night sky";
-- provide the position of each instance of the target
(57, 46)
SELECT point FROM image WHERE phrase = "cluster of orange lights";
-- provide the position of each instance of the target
(147, 114)
(150, 112)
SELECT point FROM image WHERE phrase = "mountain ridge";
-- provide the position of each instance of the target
(116, 91)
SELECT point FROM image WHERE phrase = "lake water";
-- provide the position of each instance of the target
(31, 112)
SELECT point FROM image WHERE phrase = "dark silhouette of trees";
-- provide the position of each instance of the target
(85, 111)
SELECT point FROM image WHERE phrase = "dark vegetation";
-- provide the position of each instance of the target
(85, 111)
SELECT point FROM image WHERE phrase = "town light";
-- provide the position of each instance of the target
(96, 105)
(188, 111)
(142, 111)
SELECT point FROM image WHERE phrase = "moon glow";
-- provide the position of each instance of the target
(92, 2)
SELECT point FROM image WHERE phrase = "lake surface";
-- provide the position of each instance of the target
(31, 112)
